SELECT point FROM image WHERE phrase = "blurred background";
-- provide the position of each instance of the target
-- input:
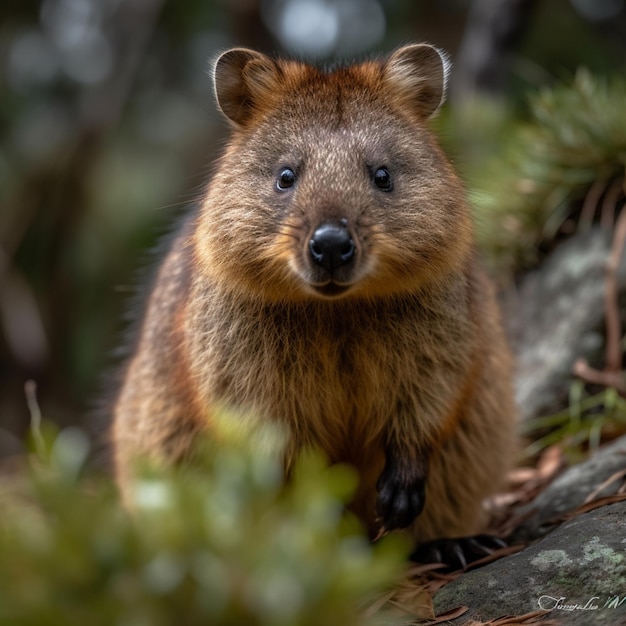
(108, 129)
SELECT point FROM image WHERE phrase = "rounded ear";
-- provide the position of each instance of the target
(243, 80)
(417, 74)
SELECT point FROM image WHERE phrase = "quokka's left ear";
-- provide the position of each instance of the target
(417, 75)
(244, 81)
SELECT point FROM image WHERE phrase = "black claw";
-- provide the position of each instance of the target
(436, 555)
(458, 555)
(498, 542)
(455, 552)
(485, 544)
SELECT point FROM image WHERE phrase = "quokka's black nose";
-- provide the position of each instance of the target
(331, 246)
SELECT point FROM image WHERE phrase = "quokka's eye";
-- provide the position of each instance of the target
(382, 179)
(286, 179)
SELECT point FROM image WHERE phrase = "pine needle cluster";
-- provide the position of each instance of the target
(574, 141)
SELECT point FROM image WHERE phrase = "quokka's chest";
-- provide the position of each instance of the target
(348, 364)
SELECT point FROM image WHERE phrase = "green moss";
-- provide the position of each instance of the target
(611, 559)
(551, 559)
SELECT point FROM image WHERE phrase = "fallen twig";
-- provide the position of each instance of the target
(609, 481)
(612, 374)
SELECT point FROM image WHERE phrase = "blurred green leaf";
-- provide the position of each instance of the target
(220, 541)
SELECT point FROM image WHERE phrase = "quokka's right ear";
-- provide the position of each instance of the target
(244, 80)
(417, 75)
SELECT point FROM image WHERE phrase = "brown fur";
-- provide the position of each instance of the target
(405, 374)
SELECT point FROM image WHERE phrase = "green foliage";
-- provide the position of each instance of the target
(576, 137)
(222, 542)
(581, 425)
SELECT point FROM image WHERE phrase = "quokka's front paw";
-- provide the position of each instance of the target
(401, 495)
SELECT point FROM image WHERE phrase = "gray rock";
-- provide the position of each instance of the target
(557, 316)
(579, 571)
(569, 490)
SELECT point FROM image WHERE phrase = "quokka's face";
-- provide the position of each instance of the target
(332, 186)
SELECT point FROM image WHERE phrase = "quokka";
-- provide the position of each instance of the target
(329, 281)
